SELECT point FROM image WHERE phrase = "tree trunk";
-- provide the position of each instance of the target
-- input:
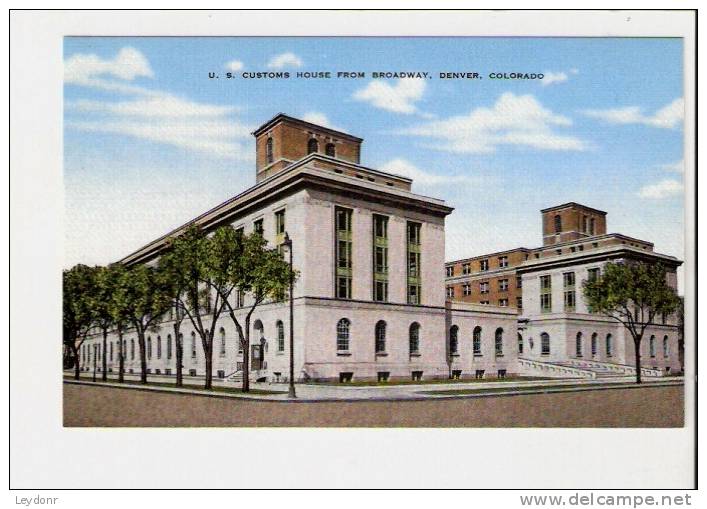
(121, 356)
(95, 351)
(143, 357)
(208, 365)
(75, 351)
(179, 354)
(246, 357)
(104, 373)
(637, 348)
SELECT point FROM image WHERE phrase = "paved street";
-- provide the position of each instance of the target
(87, 405)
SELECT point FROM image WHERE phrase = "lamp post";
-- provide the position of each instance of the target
(291, 393)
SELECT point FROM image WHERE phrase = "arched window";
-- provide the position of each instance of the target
(477, 341)
(544, 344)
(414, 338)
(312, 146)
(594, 344)
(110, 358)
(222, 337)
(159, 347)
(124, 351)
(280, 336)
(651, 346)
(149, 347)
(578, 345)
(609, 346)
(498, 342)
(342, 335)
(330, 150)
(380, 337)
(558, 224)
(268, 151)
(666, 347)
(99, 352)
(169, 346)
(454, 340)
(520, 343)
(193, 344)
(132, 349)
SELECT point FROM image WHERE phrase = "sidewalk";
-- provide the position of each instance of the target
(322, 392)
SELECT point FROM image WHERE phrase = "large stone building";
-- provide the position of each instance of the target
(557, 334)
(370, 301)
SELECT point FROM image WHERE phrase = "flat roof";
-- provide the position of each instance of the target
(280, 117)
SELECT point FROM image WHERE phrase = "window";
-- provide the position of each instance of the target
(414, 338)
(159, 347)
(585, 224)
(651, 347)
(592, 226)
(466, 268)
(609, 345)
(503, 303)
(149, 347)
(330, 150)
(484, 302)
(343, 253)
(502, 285)
(545, 294)
(280, 328)
(544, 344)
(193, 345)
(258, 227)
(169, 346)
(342, 335)
(558, 224)
(666, 347)
(503, 261)
(380, 258)
(593, 274)
(414, 263)
(558, 252)
(476, 341)
(519, 281)
(380, 226)
(520, 344)
(111, 352)
(222, 343)
(312, 146)
(268, 151)
(450, 271)
(454, 340)
(383, 376)
(280, 222)
(483, 265)
(578, 345)
(594, 344)
(570, 301)
(132, 350)
(466, 289)
(450, 292)
(498, 342)
(484, 287)
(519, 302)
(380, 337)
(568, 279)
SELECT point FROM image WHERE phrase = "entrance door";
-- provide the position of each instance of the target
(256, 360)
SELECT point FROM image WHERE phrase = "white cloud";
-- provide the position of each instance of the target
(316, 117)
(398, 98)
(667, 117)
(676, 167)
(513, 120)
(553, 77)
(283, 60)
(234, 65)
(128, 64)
(407, 169)
(664, 189)
(152, 115)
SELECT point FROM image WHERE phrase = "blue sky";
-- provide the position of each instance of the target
(151, 141)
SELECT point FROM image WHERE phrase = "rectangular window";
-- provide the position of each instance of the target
(483, 265)
(258, 227)
(466, 268)
(484, 287)
(380, 258)
(593, 274)
(545, 283)
(380, 293)
(519, 302)
(484, 303)
(503, 261)
(545, 302)
(503, 303)
(568, 279)
(450, 271)
(466, 289)
(569, 301)
(414, 262)
(502, 285)
(280, 222)
(344, 266)
(519, 281)
(450, 292)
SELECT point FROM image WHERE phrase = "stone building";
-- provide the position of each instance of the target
(370, 302)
